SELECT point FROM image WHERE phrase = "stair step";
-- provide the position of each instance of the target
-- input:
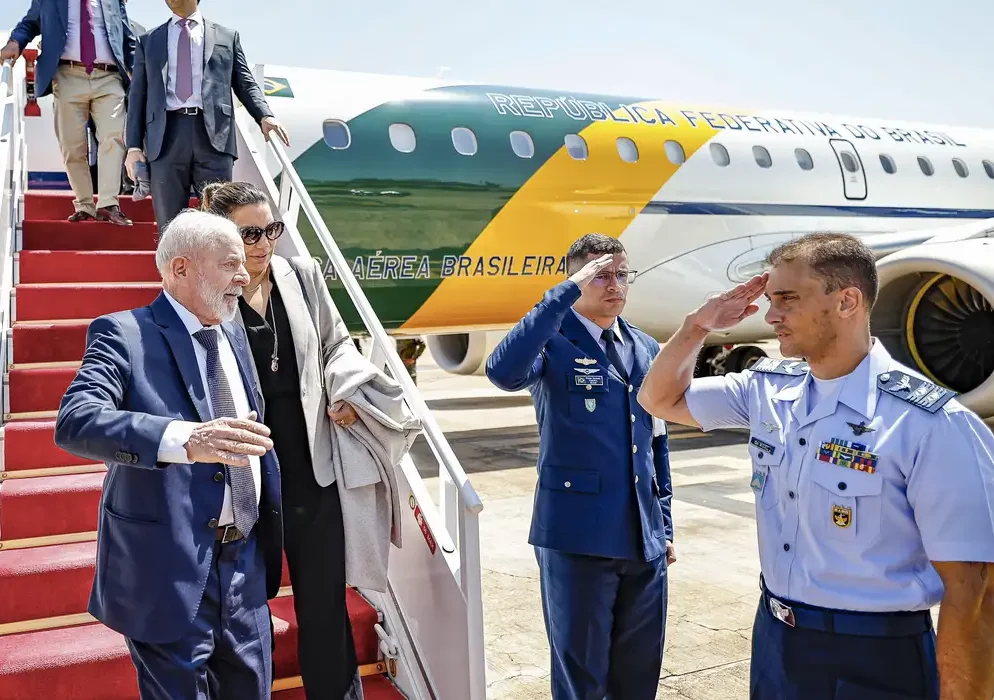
(373, 688)
(50, 505)
(91, 662)
(46, 581)
(30, 444)
(88, 235)
(39, 302)
(49, 342)
(39, 388)
(56, 206)
(87, 266)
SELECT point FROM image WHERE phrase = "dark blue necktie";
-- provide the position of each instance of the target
(244, 505)
(612, 353)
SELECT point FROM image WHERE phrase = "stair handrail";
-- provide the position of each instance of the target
(466, 518)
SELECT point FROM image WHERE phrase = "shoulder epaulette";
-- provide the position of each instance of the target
(919, 392)
(789, 368)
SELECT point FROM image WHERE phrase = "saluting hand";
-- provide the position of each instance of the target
(593, 268)
(730, 308)
(229, 441)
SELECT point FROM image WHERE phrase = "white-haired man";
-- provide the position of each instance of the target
(189, 529)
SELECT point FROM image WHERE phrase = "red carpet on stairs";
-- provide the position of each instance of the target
(67, 274)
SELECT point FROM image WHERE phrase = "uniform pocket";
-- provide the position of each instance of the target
(767, 457)
(568, 479)
(586, 397)
(847, 502)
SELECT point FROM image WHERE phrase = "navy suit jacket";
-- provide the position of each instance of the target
(225, 69)
(50, 18)
(604, 484)
(157, 522)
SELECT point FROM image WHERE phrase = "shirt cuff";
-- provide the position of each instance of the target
(134, 150)
(172, 447)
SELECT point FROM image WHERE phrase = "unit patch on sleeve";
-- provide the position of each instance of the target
(845, 453)
(919, 392)
(771, 365)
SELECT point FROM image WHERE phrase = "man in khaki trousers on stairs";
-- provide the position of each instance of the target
(87, 54)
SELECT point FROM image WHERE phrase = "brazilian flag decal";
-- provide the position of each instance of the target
(278, 87)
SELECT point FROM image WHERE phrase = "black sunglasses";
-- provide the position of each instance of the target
(252, 234)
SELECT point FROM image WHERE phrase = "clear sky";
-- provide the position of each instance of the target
(900, 59)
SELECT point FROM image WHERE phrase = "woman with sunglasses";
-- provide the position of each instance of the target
(289, 363)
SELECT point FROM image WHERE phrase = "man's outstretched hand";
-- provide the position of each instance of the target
(229, 441)
(730, 308)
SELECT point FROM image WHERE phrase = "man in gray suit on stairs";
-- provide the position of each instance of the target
(180, 114)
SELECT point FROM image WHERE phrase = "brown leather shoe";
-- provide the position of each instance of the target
(113, 215)
(81, 216)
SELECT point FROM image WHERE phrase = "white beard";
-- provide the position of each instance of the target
(220, 306)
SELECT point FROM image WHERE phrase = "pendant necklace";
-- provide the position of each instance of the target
(275, 364)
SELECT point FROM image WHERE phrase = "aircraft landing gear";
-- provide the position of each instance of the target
(716, 360)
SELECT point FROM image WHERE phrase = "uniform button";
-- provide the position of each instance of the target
(636, 478)
(630, 387)
(761, 455)
(786, 547)
(842, 486)
(219, 476)
(212, 523)
(884, 378)
(633, 418)
(791, 494)
(567, 484)
(635, 448)
(803, 442)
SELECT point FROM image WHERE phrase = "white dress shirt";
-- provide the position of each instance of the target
(625, 349)
(196, 61)
(172, 446)
(71, 52)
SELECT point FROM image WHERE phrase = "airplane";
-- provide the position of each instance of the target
(455, 202)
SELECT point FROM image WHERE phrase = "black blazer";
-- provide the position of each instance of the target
(225, 69)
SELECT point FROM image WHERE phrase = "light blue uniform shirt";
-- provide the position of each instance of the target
(625, 349)
(849, 517)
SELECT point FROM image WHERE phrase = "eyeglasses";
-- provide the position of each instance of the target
(251, 234)
(623, 276)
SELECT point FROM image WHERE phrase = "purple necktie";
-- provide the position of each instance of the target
(87, 43)
(184, 62)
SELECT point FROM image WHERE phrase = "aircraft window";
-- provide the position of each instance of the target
(849, 162)
(888, 164)
(804, 159)
(926, 165)
(989, 168)
(960, 168)
(464, 141)
(762, 156)
(627, 149)
(336, 134)
(576, 146)
(675, 152)
(719, 154)
(402, 138)
(522, 144)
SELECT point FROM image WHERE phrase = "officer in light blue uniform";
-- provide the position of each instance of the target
(874, 488)
(601, 526)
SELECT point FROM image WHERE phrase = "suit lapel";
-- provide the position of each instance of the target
(181, 345)
(63, 6)
(210, 40)
(578, 334)
(159, 53)
(296, 309)
(640, 366)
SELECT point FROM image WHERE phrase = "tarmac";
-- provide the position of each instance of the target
(713, 586)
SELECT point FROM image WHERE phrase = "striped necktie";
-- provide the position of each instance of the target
(244, 504)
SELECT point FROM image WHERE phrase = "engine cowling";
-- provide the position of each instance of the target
(464, 353)
(935, 314)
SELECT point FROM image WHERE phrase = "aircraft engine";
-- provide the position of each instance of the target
(464, 353)
(935, 314)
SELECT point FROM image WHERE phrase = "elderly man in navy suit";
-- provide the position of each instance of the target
(601, 527)
(86, 60)
(189, 538)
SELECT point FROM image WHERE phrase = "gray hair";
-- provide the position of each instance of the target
(190, 233)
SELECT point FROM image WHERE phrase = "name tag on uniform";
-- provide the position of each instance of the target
(588, 382)
(763, 445)
(849, 454)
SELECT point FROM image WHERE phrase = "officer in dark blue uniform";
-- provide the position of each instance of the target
(601, 526)
(874, 490)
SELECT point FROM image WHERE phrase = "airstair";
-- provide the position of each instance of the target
(421, 639)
